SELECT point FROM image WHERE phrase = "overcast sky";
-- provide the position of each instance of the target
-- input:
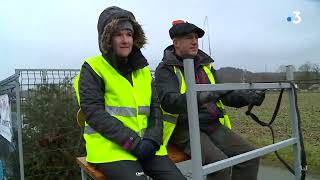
(247, 34)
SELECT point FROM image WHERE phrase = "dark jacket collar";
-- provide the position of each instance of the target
(170, 58)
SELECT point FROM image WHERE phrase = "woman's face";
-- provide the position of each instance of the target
(122, 42)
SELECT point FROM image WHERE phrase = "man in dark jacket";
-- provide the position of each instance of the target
(123, 129)
(218, 141)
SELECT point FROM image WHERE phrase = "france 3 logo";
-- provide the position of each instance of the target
(296, 18)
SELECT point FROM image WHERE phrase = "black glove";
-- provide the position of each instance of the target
(145, 149)
(208, 96)
(257, 98)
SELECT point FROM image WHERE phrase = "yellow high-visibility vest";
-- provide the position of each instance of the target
(130, 104)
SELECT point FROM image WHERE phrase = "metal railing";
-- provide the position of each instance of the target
(199, 171)
(46, 135)
(11, 152)
(30, 89)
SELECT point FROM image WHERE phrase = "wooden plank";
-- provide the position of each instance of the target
(176, 155)
(90, 169)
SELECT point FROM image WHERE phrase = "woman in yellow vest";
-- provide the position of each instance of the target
(124, 128)
(218, 141)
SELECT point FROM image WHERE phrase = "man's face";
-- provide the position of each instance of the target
(186, 46)
(122, 42)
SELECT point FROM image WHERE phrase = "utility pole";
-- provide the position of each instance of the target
(206, 24)
(243, 78)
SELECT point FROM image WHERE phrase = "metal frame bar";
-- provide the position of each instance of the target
(193, 120)
(295, 130)
(216, 166)
(198, 171)
(9, 79)
(20, 70)
(84, 175)
(19, 123)
(241, 86)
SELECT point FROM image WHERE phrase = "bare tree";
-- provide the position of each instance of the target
(316, 70)
(306, 67)
(306, 71)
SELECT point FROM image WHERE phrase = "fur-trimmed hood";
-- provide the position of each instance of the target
(107, 24)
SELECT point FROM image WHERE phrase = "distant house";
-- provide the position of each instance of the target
(314, 87)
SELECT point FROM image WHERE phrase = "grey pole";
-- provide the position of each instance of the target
(294, 118)
(193, 120)
(289, 73)
(19, 128)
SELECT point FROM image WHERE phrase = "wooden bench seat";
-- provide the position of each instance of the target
(174, 153)
(89, 169)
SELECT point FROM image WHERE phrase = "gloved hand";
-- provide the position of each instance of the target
(145, 149)
(256, 98)
(208, 96)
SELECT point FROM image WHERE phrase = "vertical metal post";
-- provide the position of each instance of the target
(43, 75)
(19, 127)
(289, 73)
(295, 132)
(84, 175)
(193, 120)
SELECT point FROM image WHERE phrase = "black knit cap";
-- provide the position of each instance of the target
(180, 28)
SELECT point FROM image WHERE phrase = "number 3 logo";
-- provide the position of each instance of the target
(297, 17)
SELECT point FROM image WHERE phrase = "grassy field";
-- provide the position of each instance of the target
(309, 106)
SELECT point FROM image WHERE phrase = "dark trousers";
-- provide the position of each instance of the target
(158, 168)
(217, 145)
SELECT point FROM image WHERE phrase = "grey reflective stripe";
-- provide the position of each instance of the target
(178, 74)
(145, 110)
(89, 130)
(121, 111)
(142, 132)
(170, 118)
(127, 111)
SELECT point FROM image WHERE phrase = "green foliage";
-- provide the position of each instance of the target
(51, 137)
